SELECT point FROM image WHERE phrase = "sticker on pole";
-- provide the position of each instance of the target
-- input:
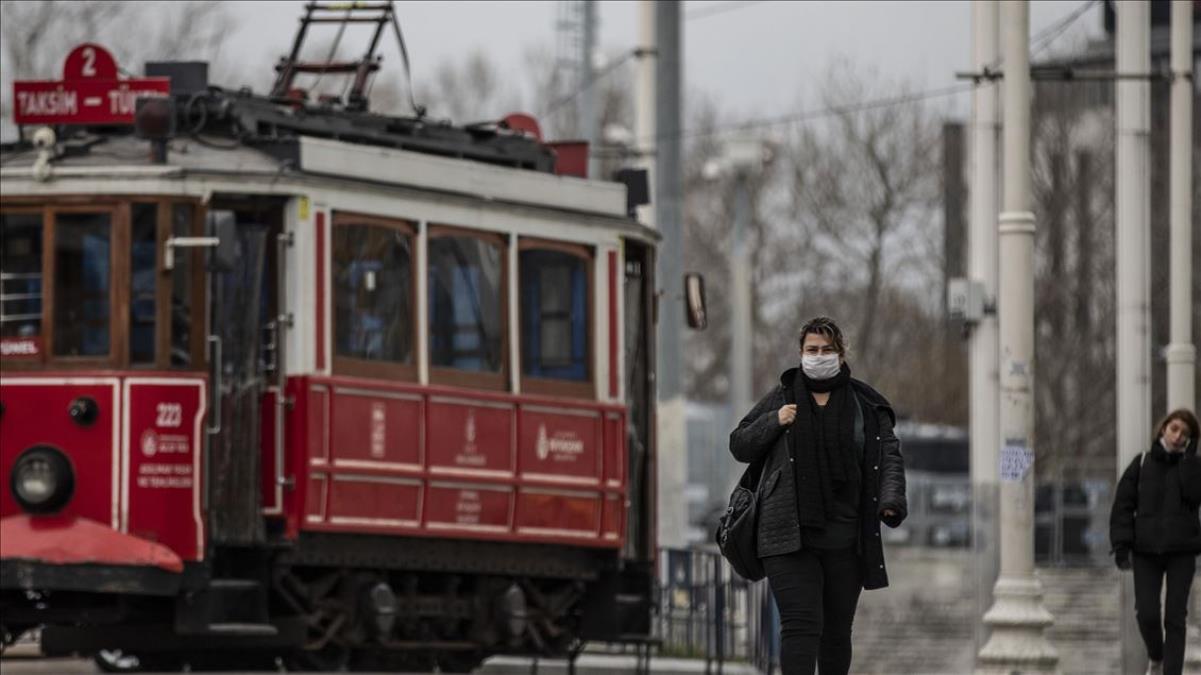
(1016, 459)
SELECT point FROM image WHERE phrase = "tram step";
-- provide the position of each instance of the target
(236, 584)
(224, 602)
(255, 629)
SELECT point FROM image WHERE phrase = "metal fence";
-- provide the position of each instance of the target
(706, 611)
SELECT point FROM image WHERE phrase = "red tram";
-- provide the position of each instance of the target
(308, 382)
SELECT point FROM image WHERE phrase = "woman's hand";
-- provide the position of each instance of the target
(787, 414)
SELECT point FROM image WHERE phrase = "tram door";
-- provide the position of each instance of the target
(640, 396)
(242, 292)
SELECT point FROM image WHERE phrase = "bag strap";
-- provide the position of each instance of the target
(790, 399)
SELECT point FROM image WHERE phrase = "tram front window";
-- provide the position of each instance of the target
(82, 273)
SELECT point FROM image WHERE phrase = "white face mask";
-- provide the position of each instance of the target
(820, 366)
(1167, 445)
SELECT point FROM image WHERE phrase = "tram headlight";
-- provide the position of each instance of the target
(42, 480)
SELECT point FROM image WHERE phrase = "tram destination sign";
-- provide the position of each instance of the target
(89, 93)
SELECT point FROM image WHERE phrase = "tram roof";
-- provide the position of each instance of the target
(335, 146)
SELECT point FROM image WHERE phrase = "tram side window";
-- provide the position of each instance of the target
(554, 315)
(373, 291)
(142, 283)
(465, 312)
(82, 274)
(20, 275)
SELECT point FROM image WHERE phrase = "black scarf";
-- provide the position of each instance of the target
(824, 457)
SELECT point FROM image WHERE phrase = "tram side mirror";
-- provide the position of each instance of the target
(694, 299)
(223, 225)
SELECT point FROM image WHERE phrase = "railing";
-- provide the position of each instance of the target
(706, 611)
(23, 288)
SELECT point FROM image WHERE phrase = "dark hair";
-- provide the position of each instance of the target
(1184, 415)
(824, 326)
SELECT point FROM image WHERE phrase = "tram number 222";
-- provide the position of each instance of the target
(169, 415)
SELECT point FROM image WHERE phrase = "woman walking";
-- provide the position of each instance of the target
(1154, 529)
(832, 471)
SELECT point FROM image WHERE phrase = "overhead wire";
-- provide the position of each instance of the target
(1040, 41)
(819, 113)
(607, 70)
(724, 7)
(1053, 32)
(701, 13)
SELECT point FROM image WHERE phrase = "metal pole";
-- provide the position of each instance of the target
(646, 58)
(740, 293)
(588, 94)
(982, 266)
(673, 462)
(1017, 618)
(1181, 353)
(1133, 206)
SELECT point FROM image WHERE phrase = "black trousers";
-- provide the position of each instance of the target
(817, 592)
(1164, 639)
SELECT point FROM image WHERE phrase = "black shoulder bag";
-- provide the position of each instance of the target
(736, 530)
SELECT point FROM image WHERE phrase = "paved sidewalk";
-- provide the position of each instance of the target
(610, 664)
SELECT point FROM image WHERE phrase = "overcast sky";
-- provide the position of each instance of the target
(756, 58)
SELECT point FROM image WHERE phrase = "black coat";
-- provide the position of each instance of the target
(1155, 506)
(759, 437)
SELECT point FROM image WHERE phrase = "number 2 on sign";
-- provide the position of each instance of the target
(169, 415)
(89, 62)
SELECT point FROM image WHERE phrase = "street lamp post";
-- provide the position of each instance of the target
(1017, 618)
(982, 267)
(1132, 257)
(742, 158)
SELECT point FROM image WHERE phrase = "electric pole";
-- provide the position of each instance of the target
(669, 189)
(1181, 354)
(589, 115)
(982, 268)
(1133, 207)
(1017, 619)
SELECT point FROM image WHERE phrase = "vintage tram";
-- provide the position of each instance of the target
(295, 380)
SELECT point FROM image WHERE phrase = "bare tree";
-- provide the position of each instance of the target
(1074, 292)
(845, 222)
(865, 190)
(471, 90)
